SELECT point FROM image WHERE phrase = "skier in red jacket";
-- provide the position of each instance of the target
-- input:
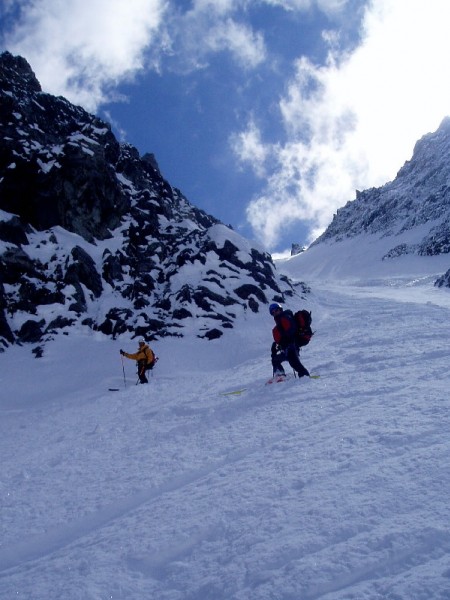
(285, 346)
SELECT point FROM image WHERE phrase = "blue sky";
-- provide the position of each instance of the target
(268, 114)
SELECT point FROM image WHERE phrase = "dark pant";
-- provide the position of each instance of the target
(291, 354)
(142, 364)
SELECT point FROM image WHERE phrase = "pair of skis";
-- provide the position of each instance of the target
(276, 379)
(281, 378)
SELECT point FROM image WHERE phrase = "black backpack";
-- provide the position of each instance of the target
(304, 332)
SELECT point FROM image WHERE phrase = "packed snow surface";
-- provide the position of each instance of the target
(336, 488)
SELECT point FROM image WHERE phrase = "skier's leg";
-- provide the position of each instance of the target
(277, 359)
(294, 361)
(141, 372)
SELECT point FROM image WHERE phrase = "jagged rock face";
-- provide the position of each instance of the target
(92, 234)
(297, 249)
(56, 160)
(417, 201)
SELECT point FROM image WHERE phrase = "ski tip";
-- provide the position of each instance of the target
(234, 392)
(113, 389)
(314, 376)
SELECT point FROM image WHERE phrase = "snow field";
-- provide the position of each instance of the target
(334, 488)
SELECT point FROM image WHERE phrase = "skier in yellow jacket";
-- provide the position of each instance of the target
(145, 358)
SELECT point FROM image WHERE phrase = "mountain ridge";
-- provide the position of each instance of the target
(410, 214)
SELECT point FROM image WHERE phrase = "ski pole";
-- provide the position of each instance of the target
(123, 369)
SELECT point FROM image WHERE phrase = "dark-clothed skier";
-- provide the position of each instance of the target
(285, 345)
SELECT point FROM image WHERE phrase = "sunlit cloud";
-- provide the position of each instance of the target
(82, 51)
(352, 123)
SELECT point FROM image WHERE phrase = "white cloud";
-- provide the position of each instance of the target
(245, 45)
(352, 123)
(250, 147)
(210, 27)
(84, 50)
(326, 6)
(81, 50)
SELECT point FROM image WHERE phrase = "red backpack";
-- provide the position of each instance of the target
(293, 327)
(304, 331)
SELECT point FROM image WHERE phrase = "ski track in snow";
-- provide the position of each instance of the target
(334, 488)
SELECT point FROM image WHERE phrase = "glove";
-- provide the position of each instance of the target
(122, 352)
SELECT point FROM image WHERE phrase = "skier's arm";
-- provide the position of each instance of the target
(135, 356)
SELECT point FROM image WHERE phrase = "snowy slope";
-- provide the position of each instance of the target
(359, 259)
(336, 488)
